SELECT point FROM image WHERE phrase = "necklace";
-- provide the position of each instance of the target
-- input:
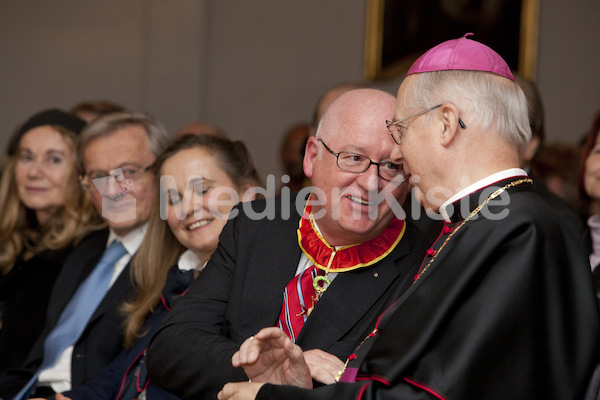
(475, 211)
(328, 258)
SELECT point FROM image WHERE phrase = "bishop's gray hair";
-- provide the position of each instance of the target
(485, 100)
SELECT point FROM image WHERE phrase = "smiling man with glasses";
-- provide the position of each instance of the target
(319, 276)
(351, 184)
(115, 169)
(114, 184)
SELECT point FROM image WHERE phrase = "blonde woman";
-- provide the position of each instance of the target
(44, 214)
(201, 177)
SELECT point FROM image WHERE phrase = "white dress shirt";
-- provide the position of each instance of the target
(190, 260)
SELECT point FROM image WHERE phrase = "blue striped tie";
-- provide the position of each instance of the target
(78, 312)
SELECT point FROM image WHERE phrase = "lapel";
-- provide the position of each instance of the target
(351, 297)
(77, 267)
(273, 264)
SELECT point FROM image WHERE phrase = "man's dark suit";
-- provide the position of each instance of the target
(101, 340)
(241, 291)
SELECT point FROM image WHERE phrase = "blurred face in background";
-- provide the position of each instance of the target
(122, 188)
(45, 169)
(591, 178)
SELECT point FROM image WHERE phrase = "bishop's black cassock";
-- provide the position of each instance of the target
(505, 311)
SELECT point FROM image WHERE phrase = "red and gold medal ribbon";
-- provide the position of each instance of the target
(346, 258)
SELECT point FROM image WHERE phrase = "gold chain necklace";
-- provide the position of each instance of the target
(475, 211)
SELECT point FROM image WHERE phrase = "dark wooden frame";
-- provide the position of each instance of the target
(389, 50)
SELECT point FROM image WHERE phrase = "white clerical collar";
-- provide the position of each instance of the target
(189, 260)
(490, 180)
(131, 241)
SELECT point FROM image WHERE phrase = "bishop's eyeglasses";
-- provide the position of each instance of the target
(397, 130)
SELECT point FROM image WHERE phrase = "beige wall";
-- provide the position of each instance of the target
(252, 67)
(569, 66)
(143, 54)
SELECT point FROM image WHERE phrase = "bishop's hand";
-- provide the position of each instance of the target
(324, 367)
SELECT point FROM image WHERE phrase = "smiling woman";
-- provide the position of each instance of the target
(202, 171)
(44, 215)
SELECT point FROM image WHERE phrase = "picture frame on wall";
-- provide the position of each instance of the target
(399, 31)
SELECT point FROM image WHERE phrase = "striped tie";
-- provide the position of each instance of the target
(299, 298)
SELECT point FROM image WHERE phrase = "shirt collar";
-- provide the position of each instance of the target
(490, 180)
(130, 241)
(189, 261)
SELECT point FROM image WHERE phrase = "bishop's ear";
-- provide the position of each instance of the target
(451, 122)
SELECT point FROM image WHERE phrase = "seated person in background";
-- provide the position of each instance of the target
(535, 109)
(90, 110)
(342, 255)
(589, 189)
(557, 165)
(193, 171)
(291, 156)
(44, 215)
(81, 335)
(200, 128)
(534, 159)
(503, 305)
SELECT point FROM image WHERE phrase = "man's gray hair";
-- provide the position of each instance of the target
(483, 99)
(158, 137)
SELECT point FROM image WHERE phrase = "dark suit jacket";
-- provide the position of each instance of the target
(241, 291)
(24, 315)
(570, 216)
(100, 342)
(125, 377)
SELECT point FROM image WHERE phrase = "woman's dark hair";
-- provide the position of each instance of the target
(233, 157)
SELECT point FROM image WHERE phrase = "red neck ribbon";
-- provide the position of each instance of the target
(346, 258)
